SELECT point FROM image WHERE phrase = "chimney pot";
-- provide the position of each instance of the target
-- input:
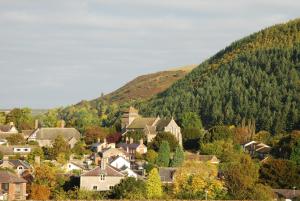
(131, 140)
(126, 140)
(62, 123)
(36, 124)
(141, 141)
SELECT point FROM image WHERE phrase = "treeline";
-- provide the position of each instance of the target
(254, 78)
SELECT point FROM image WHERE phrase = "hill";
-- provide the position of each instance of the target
(146, 86)
(256, 77)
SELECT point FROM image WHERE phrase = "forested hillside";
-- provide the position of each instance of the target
(254, 78)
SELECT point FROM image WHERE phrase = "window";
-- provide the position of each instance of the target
(102, 177)
(25, 149)
(18, 149)
(94, 188)
(111, 187)
(4, 186)
(20, 168)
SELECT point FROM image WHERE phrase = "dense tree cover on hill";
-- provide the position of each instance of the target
(254, 78)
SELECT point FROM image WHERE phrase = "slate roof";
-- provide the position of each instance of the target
(9, 177)
(17, 163)
(108, 171)
(166, 174)
(52, 133)
(162, 123)
(5, 128)
(130, 146)
(140, 123)
(287, 193)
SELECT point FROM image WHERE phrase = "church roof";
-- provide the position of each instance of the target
(140, 123)
(162, 123)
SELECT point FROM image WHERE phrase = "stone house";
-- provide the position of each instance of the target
(11, 150)
(101, 178)
(99, 146)
(19, 166)
(46, 136)
(12, 186)
(8, 129)
(150, 126)
(131, 148)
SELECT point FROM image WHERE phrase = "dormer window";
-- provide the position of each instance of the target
(102, 177)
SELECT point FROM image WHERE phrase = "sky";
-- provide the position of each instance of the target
(58, 52)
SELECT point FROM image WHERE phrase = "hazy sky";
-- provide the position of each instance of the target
(58, 52)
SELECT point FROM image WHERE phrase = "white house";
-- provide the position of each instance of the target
(124, 165)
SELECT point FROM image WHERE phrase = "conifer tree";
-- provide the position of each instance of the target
(178, 157)
(163, 158)
(153, 185)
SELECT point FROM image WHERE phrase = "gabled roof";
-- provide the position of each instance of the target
(130, 146)
(5, 128)
(52, 133)
(141, 122)
(109, 171)
(162, 123)
(9, 177)
(17, 163)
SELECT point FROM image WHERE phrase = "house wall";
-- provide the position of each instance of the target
(120, 162)
(175, 130)
(44, 143)
(88, 182)
(72, 142)
(13, 195)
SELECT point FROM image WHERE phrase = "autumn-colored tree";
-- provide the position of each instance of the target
(195, 180)
(35, 152)
(262, 136)
(92, 134)
(241, 135)
(151, 156)
(21, 117)
(280, 173)
(39, 192)
(153, 185)
(241, 177)
(45, 175)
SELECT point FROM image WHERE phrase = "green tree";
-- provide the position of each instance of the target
(15, 139)
(2, 118)
(164, 136)
(163, 158)
(191, 120)
(60, 146)
(295, 155)
(153, 185)
(22, 118)
(35, 152)
(129, 188)
(178, 157)
(191, 138)
(50, 119)
(79, 149)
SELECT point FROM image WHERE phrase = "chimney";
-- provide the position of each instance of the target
(11, 123)
(36, 124)
(98, 140)
(141, 141)
(127, 149)
(126, 140)
(131, 140)
(102, 164)
(62, 123)
(37, 161)
(105, 141)
(5, 162)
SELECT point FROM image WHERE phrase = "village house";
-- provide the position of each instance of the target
(99, 146)
(46, 136)
(122, 164)
(167, 174)
(132, 148)
(19, 166)
(150, 126)
(71, 166)
(101, 178)
(12, 187)
(8, 129)
(257, 149)
(11, 150)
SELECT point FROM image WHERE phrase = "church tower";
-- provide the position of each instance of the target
(129, 116)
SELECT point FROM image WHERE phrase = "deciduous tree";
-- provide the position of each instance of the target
(153, 185)
(163, 158)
